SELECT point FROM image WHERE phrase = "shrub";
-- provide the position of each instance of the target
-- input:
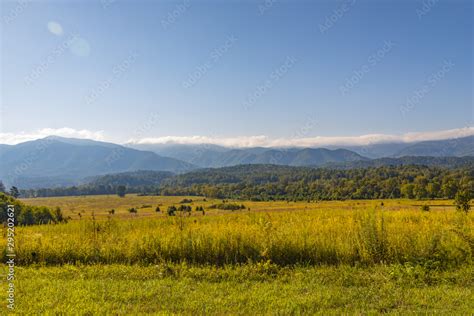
(462, 201)
(58, 214)
(425, 208)
(185, 208)
(28, 215)
(227, 206)
(171, 210)
(121, 190)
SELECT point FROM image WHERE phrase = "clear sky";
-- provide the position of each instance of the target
(283, 69)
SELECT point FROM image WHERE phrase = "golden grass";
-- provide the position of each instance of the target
(101, 204)
(349, 232)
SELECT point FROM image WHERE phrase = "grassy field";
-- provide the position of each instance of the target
(100, 205)
(245, 290)
(271, 257)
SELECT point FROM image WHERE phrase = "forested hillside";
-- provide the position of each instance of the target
(270, 182)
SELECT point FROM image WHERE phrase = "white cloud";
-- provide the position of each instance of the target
(15, 138)
(246, 141)
(55, 28)
(264, 141)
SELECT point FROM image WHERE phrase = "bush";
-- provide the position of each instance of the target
(58, 214)
(29, 215)
(425, 208)
(227, 206)
(132, 210)
(184, 208)
(171, 210)
(462, 201)
(121, 190)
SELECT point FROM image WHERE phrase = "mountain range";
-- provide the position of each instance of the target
(54, 161)
(57, 161)
(212, 156)
(455, 147)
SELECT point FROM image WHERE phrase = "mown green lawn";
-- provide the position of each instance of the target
(246, 290)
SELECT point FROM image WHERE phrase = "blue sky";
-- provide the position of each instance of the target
(121, 70)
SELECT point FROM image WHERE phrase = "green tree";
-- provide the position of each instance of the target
(58, 215)
(26, 217)
(449, 188)
(171, 210)
(419, 188)
(2, 187)
(407, 190)
(462, 200)
(121, 190)
(433, 189)
(14, 192)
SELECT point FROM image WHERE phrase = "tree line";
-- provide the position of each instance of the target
(269, 182)
(263, 183)
(28, 215)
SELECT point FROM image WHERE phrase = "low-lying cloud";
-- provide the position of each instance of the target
(16, 138)
(246, 141)
(318, 141)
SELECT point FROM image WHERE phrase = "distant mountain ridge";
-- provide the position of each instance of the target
(64, 161)
(131, 178)
(215, 156)
(155, 177)
(457, 147)
(205, 155)
(57, 161)
(445, 162)
(454, 147)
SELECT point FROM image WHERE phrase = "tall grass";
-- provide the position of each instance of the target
(440, 238)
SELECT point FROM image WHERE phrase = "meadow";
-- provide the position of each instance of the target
(270, 257)
(251, 289)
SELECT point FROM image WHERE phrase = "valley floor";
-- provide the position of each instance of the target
(284, 258)
(245, 290)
